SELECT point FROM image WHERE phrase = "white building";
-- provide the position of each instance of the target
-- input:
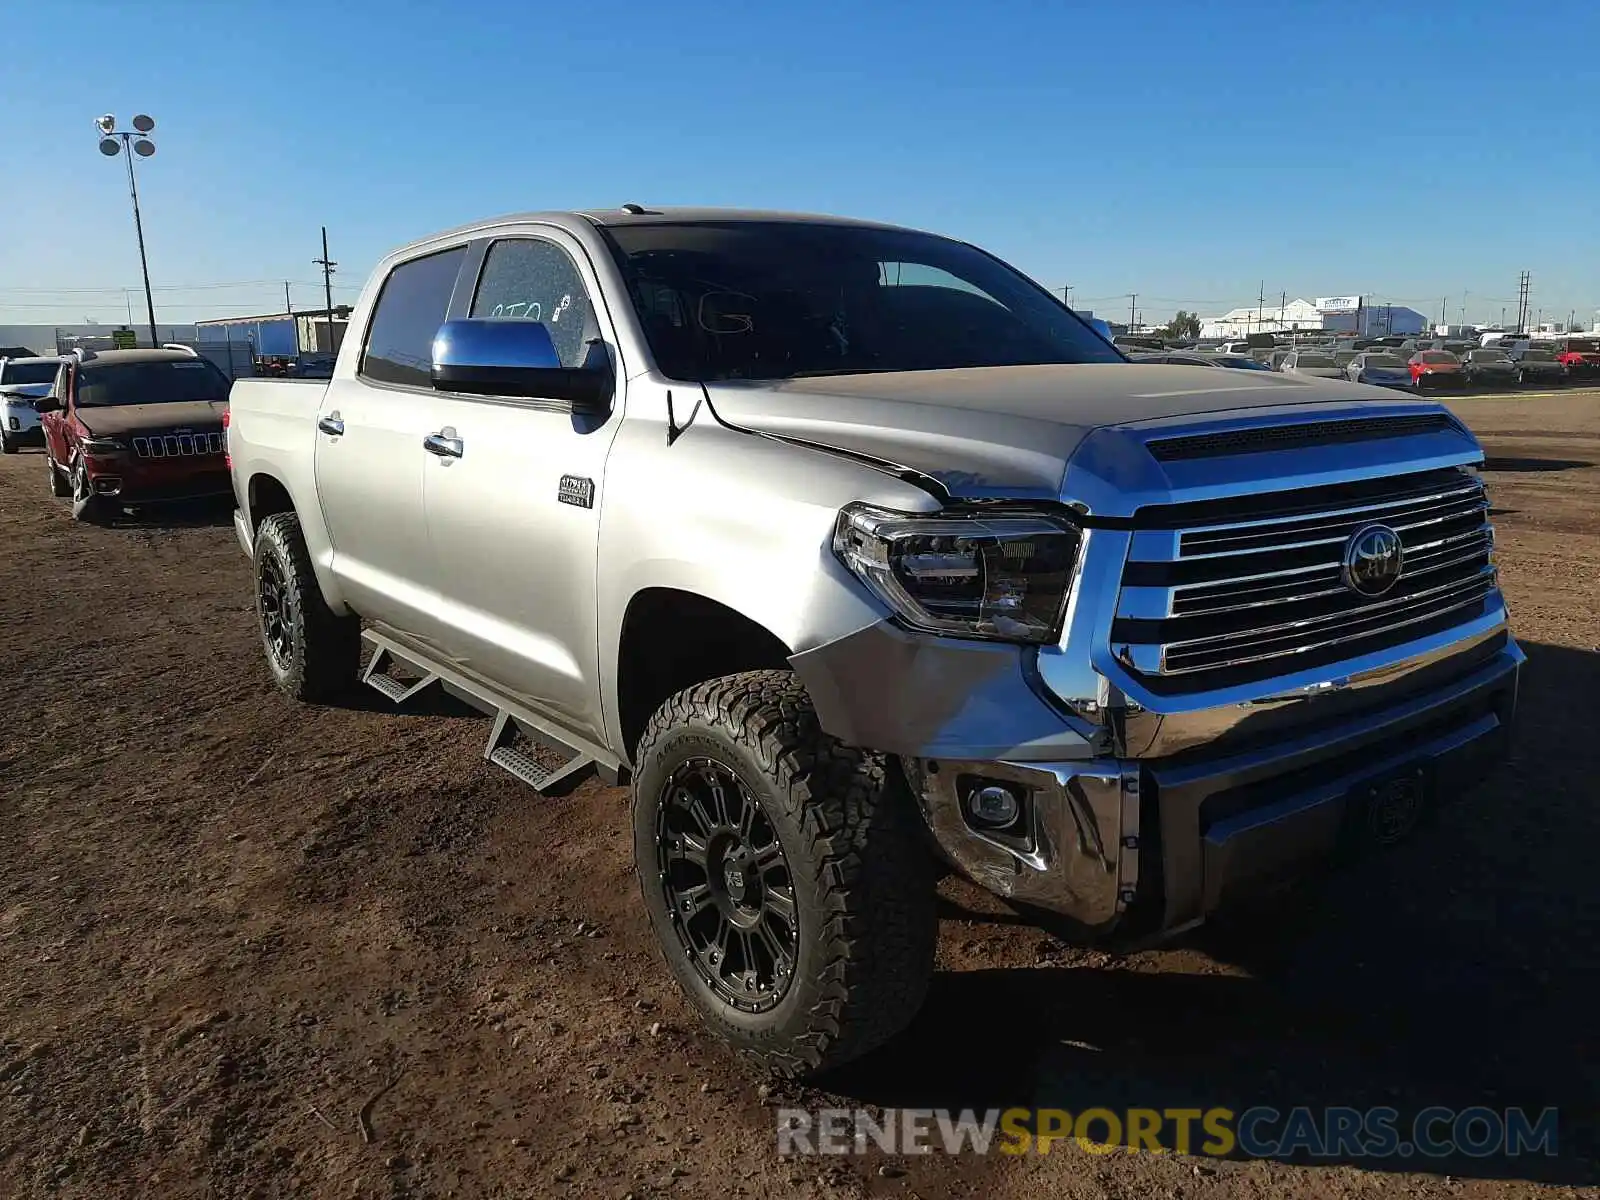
(1327, 314)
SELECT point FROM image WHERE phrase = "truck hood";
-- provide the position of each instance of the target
(998, 432)
(136, 418)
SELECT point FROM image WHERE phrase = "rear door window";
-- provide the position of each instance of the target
(410, 309)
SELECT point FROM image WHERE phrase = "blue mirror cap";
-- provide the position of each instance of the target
(479, 342)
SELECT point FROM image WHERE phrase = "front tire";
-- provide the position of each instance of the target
(86, 506)
(7, 446)
(60, 488)
(313, 653)
(782, 874)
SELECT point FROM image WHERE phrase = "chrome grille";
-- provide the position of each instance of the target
(1241, 592)
(177, 445)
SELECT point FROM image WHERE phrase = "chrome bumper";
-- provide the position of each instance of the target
(1138, 847)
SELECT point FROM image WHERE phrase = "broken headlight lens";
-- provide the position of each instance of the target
(986, 575)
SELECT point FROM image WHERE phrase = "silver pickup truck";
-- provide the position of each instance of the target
(858, 555)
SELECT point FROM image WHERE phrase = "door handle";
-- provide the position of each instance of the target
(331, 424)
(445, 444)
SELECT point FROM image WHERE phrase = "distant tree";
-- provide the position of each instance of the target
(1183, 325)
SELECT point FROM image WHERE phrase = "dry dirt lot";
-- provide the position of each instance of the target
(252, 949)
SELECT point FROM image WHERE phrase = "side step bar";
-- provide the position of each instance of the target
(517, 730)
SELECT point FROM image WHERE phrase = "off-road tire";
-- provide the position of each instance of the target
(324, 648)
(60, 486)
(7, 446)
(862, 880)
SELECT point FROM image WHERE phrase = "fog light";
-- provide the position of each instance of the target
(992, 806)
(108, 485)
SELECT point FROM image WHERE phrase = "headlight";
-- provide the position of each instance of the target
(986, 576)
(102, 446)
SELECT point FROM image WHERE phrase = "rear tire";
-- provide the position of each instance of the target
(822, 855)
(313, 653)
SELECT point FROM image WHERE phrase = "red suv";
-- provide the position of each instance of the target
(134, 427)
(1580, 356)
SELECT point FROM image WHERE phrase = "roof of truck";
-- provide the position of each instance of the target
(643, 216)
(634, 214)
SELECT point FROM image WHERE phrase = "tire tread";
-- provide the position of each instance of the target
(878, 924)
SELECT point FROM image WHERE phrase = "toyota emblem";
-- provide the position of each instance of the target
(1373, 560)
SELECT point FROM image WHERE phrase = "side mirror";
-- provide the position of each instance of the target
(46, 404)
(515, 358)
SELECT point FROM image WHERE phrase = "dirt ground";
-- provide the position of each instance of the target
(250, 949)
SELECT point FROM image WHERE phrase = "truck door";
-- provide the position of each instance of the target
(369, 466)
(513, 518)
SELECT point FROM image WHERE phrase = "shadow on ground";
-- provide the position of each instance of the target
(1457, 969)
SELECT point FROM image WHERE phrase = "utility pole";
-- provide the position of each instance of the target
(287, 307)
(1133, 298)
(1261, 302)
(1524, 285)
(327, 265)
(1066, 295)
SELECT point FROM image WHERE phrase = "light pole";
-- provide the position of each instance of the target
(129, 143)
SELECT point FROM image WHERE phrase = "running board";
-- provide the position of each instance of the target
(376, 675)
(502, 751)
(517, 729)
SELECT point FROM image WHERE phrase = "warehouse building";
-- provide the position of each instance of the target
(1352, 315)
(282, 335)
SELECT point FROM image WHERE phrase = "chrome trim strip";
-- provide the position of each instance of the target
(1486, 575)
(1336, 539)
(1472, 488)
(1466, 601)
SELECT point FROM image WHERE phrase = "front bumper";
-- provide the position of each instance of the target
(1132, 848)
(129, 479)
(31, 436)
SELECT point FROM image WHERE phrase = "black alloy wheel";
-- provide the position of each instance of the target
(727, 885)
(277, 607)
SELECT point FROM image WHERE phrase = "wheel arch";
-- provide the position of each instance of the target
(265, 496)
(671, 639)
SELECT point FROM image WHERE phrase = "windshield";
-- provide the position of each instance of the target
(1583, 346)
(1313, 360)
(781, 300)
(1386, 362)
(1538, 356)
(28, 372)
(106, 385)
(1437, 356)
(1487, 356)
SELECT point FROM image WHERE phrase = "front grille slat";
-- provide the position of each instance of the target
(1261, 591)
(177, 445)
(1436, 603)
(1341, 524)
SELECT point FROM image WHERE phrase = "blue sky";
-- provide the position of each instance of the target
(1188, 152)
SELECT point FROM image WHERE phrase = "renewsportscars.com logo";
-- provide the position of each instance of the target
(1259, 1132)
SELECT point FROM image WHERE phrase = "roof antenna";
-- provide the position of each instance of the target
(634, 209)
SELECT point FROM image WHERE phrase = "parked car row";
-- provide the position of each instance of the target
(1385, 366)
(120, 428)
